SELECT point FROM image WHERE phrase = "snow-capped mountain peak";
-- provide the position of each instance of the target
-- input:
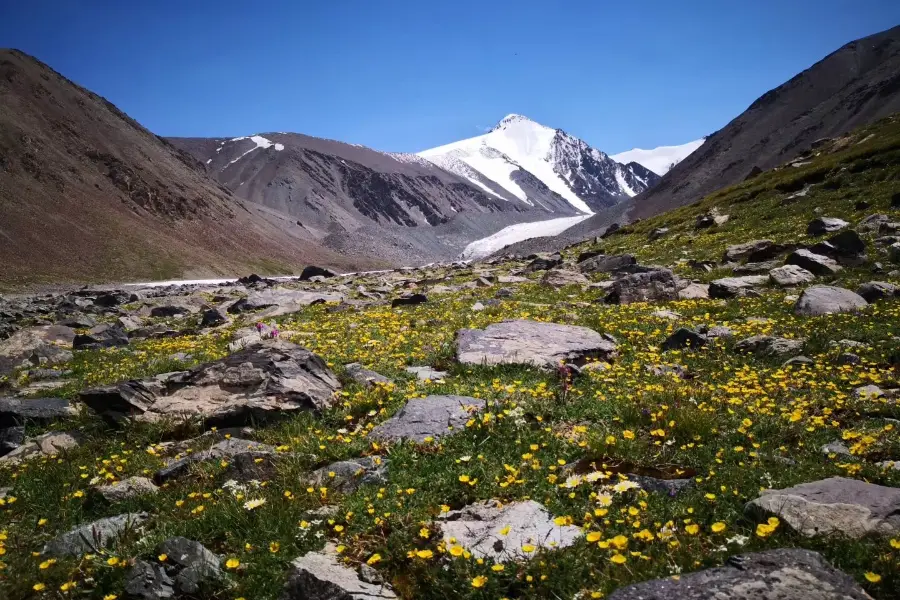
(659, 160)
(540, 165)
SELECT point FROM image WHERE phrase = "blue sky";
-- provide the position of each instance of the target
(405, 75)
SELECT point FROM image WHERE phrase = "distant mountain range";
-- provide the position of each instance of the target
(659, 160)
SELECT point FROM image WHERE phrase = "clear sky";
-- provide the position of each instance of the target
(405, 75)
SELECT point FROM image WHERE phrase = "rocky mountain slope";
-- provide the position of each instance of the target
(361, 201)
(87, 194)
(712, 414)
(660, 160)
(519, 152)
(855, 85)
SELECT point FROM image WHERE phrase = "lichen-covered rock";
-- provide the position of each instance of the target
(190, 564)
(733, 287)
(817, 264)
(271, 378)
(433, 416)
(781, 574)
(319, 576)
(479, 528)
(364, 376)
(654, 285)
(561, 277)
(826, 299)
(837, 505)
(223, 450)
(531, 343)
(607, 263)
(126, 489)
(878, 290)
(347, 475)
(93, 537)
(790, 275)
(767, 345)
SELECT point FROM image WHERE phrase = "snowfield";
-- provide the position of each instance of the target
(517, 233)
(659, 160)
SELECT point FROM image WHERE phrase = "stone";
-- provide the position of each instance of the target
(212, 317)
(319, 576)
(409, 300)
(607, 263)
(168, 311)
(798, 361)
(251, 466)
(433, 416)
(130, 323)
(93, 537)
(816, 264)
(767, 345)
(281, 301)
(826, 299)
(477, 528)
(369, 574)
(836, 505)
(741, 251)
(755, 268)
(101, 336)
(710, 219)
(657, 233)
(666, 314)
(364, 376)
(271, 378)
(543, 264)
(11, 438)
(734, 287)
(46, 340)
(426, 373)
(667, 371)
(193, 564)
(719, 331)
(148, 581)
(873, 223)
(531, 343)
(684, 338)
(19, 411)
(669, 487)
(312, 271)
(848, 358)
(868, 392)
(477, 307)
(657, 284)
(560, 277)
(52, 443)
(892, 465)
(126, 489)
(790, 275)
(511, 279)
(780, 574)
(878, 290)
(348, 475)
(835, 447)
(694, 291)
(823, 225)
(846, 247)
(227, 449)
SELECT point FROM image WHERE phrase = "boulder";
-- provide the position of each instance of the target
(826, 299)
(11, 438)
(560, 277)
(836, 505)
(347, 475)
(873, 223)
(19, 411)
(607, 263)
(816, 264)
(281, 301)
(319, 576)
(710, 219)
(271, 378)
(433, 416)
(313, 271)
(479, 529)
(93, 537)
(543, 263)
(45, 341)
(212, 317)
(758, 248)
(878, 290)
(790, 275)
(657, 233)
(148, 581)
(734, 287)
(364, 376)
(228, 449)
(780, 574)
(126, 489)
(846, 247)
(755, 268)
(823, 225)
(531, 343)
(409, 300)
(767, 345)
(190, 564)
(52, 443)
(426, 373)
(168, 310)
(657, 284)
(684, 338)
(101, 336)
(694, 291)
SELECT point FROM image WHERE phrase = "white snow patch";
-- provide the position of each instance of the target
(517, 233)
(260, 142)
(659, 160)
(620, 179)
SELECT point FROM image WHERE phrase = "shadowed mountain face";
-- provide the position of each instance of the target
(856, 85)
(87, 194)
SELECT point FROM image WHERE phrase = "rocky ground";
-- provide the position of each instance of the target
(578, 425)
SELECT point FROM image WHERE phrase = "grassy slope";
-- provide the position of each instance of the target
(729, 423)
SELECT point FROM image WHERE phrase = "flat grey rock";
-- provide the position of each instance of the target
(126, 489)
(531, 343)
(426, 373)
(148, 581)
(868, 392)
(319, 576)
(477, 528)
(817, 264)
(347, 475)
(433, 416)
(191, 564)
(836, 447)
(781, 574)
(825, 299)
(93, 537)
(225, 449)
(47, 340)
(281, 301)
(268, 379)
(878, 290)
(790, 275)
(837, 505)
(18, 411)
(823, 225)
(561, 277)
(364, 376)
(607, 263)
(52, 443)
(767, 345)
(734, 287)
(694, 291)
(653, 285)
(741, 251)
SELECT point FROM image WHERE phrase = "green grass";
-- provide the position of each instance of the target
(730, 423)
